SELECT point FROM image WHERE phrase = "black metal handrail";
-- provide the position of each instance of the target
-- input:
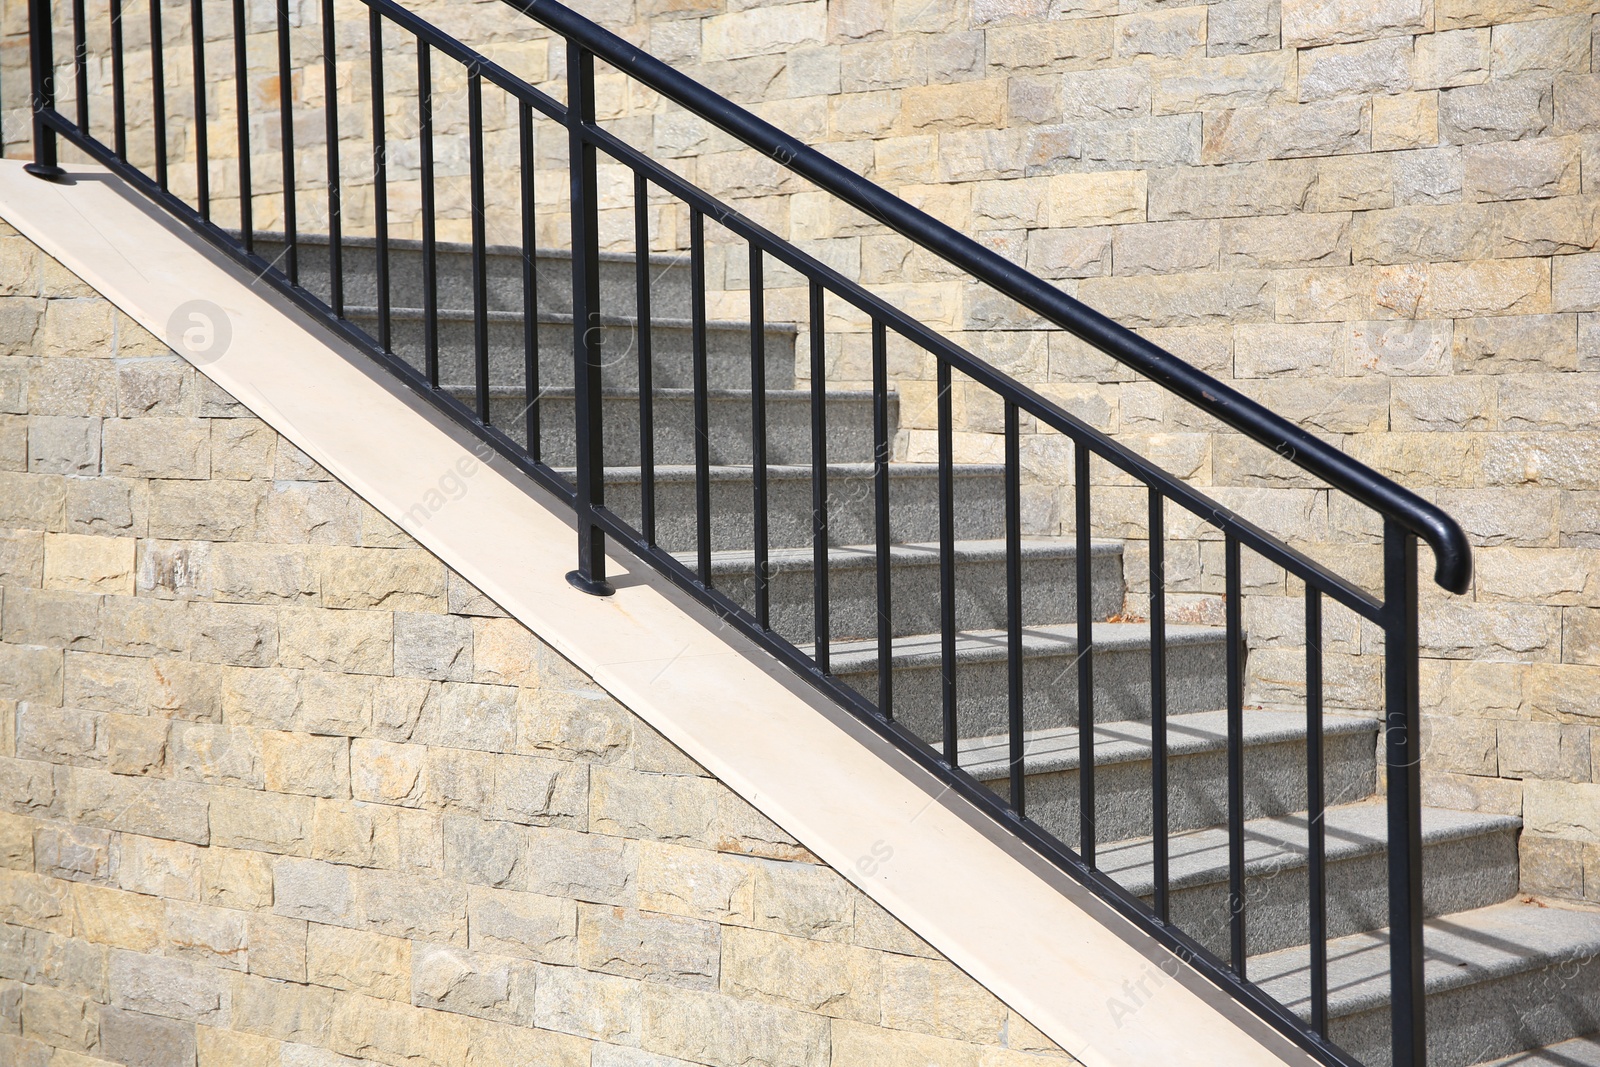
(1406, 517)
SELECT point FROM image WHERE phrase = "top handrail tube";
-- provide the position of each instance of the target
(1452, 553)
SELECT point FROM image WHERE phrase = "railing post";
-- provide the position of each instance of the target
(586, 339)
(1403, 758)
(42, 61)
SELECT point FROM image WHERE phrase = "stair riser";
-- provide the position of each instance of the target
(1464, 873)
(979, 507)
(669, 289)
(1495, 1018)
(1197, 797)
(1050, 591)
(1050, 689)
(788, 428)
(727, 354)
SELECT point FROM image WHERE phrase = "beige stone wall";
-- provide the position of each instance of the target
(275, 783)
(1380, 217)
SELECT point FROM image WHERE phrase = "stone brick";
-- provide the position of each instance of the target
(160, 386)
(1521, 170)
(472, 983)
(157, 448)
(229, 1048)
(1515, 344)
(210, 510)
(1541, 46)
(1447, 59)
(52, 444)
(836, 980)
(160, 868)
(1307, 23)
(358, 642)
(656, 948)
(306, 764)
(231, 878)
(1371, 67)
(683, 809)
(246, 818)
(464, 598)
(1245, 190)
(1074, 253)
(468, 715)
(389, 579)
(283, 1011)
(1286, 241)
(945, 107)
(704, 1027)
(175, 811)
(1057, 45)
(1319, 129)
(522, 924)
(1240, 26)
(1175, 33)
(933, 997)
(81, 387)
(738, 34)
(1409, 120)
(21, 558)
(169, 988)
(433, 646)
(1575, 283)
(60, 1019)
(174, 569)
(262, 574)
(1577, 103)
(53, 620)
(695, 883)
(218, 755)
(598, 1006)
(74, 853)
(89, 564)
(1187, 300)
(1495, 111)
(357, 961)
(1165, 247)
(1562, 809)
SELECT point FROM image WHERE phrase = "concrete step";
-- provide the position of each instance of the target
(669, 288)
(1195, 665)
(1579, 1052)
(1470, 859)
(1049, 585)
(1197, 766)
(788, 425)
(671, 347)
(1500, 980)
(913, 493)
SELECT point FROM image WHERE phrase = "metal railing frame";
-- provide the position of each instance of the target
(1406, 516)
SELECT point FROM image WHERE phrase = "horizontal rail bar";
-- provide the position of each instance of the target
(1452, 553)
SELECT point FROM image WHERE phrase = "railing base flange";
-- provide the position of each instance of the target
(45, 171)
(577, 580)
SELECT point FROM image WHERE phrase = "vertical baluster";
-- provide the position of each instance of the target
(1158, 704)
(1316, 828)
(158, 91)
(480, 248)
(1013, 532)
(119, 97)
(758, 432)
(1085, 630)
(241, 106)
(591, 573)
(330, 111)
(880, 509)
(1402, 767)
(80, 62)
(530, 285)
(641, 318)
(1233, 613)
(42, 72)
(702, 410)
(947, 566)
(430, 222)
(202, 154)
(291, 251)
(380, 179)
(819, 482)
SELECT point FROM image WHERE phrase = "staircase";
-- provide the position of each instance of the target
(1504, 974)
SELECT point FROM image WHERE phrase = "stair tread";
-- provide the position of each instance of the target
(556, 318)
(914, 553)
(1053, 639)
(1056, 749)
(795, 471)
(1578, 1052)
(1462, 949)
(1276, 843)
